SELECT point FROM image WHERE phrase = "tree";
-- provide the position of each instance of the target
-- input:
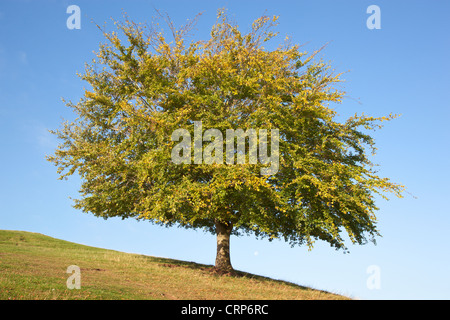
(144, 88)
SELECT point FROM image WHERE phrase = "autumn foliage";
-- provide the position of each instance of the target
(145, 84)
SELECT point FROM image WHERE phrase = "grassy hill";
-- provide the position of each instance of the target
(33, 266)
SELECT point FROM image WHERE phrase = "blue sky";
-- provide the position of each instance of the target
(401, 68)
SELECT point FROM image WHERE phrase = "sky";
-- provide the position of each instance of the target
(401, 68)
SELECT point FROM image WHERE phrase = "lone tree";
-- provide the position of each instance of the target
(144, 87)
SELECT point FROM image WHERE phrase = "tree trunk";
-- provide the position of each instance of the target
(223, 232)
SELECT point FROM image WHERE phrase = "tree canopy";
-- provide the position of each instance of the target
(145, 84)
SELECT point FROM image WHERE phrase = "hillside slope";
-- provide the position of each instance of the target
(33, 266)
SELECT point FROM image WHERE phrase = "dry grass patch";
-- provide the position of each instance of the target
(33, 266)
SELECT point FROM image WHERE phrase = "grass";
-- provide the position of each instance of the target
(33, 267)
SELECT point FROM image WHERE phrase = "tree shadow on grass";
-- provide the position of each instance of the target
(210, 269)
